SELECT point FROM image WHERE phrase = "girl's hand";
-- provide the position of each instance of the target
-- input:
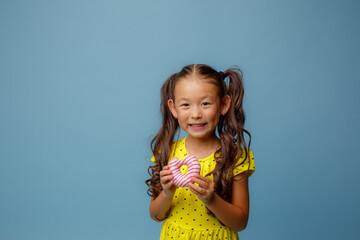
(167, 183)
(205, 190)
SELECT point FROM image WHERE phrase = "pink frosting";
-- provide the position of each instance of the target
(182, 180)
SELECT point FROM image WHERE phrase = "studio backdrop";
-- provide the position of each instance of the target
(79, 103)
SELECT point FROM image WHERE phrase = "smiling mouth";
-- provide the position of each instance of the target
(198, 125)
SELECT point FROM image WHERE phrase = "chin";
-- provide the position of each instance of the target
(197, 136)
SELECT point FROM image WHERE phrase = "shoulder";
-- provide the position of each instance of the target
(176, 146)
(245, 162)
(246, 154)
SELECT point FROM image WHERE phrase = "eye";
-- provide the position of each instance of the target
(205, 104)
(184, 105)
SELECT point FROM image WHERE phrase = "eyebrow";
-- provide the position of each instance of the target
(204, 97)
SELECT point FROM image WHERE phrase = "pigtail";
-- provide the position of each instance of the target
(236, 116)
(231, 132)
(162, 142)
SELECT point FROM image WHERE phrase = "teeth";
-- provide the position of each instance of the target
(197, 125)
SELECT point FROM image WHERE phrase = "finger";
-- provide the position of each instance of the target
(205, 179)
(201, 182)
(166, 179)
(194, 191)
(165, 173)
(199, 191)
(204, 195)
(166, 167)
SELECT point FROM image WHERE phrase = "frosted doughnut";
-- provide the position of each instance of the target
(182, 180)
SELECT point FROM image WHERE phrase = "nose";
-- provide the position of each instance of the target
(196, 113)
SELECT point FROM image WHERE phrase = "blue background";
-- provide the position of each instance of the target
(79, 102)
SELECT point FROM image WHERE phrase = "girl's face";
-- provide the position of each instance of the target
(197, 107)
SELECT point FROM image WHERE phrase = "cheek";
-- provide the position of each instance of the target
(182, 116)
(216, 119)
(214, 115)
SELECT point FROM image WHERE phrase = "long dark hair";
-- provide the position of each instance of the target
(230, 128)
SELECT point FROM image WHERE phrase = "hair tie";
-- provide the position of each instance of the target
(223, 75)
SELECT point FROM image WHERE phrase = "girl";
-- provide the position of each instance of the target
(215, 205)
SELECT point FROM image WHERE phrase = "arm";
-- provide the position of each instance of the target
(235, 214)
(160, 206)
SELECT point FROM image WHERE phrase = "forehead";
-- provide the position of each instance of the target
(192, 88)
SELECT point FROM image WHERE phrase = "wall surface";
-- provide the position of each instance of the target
(79, 103)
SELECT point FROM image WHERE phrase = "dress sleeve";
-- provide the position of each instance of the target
(153, 158)
(245, 165)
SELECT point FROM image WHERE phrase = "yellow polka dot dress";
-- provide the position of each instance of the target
(188, 217)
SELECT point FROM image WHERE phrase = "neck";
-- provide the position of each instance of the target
(202, 147)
